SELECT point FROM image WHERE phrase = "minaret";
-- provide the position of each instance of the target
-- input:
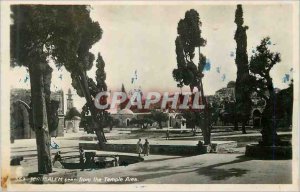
(61, 109)
(69, 100)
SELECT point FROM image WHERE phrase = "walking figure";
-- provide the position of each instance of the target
(146, 148)
(139, 147)
(82, 158)
(167, 135)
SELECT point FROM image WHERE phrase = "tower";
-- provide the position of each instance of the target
(59, 96)
(69, 100)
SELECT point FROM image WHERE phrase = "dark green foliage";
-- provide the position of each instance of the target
(189, 31)
(100, 74)
(159, 117)
(187, 72)
(113, 122)
(144, 122)
(78, 33)
(189, 37)
(29, 35)
(72, 113)
(261, 64)
(263, 59)
(284, 107)
(243, 87)
(231, 84)
(191, 119)
(241, 38)
(215, 110)
(76, 85)
(92, 86)
(86, 123)
(227, 114)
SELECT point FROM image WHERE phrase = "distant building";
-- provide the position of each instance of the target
(125, 116)
(69, 100)
(20, 114)
(227, 94)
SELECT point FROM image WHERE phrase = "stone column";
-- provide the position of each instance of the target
(76, 125)
(61, 126)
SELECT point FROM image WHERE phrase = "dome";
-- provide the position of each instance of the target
(125, 112)
(76, 118)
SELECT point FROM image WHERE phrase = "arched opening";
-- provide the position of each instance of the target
(20, 127)
(170, 121)
(127, 122)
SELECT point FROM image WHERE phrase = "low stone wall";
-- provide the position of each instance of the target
(159, 149)
(163, 149)
(154, 149)
(269, 152)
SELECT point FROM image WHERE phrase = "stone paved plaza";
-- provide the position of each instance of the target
(229, 167)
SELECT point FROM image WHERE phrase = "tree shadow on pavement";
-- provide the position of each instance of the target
(220, 174)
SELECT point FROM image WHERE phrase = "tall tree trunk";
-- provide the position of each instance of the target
(159, 124)
(206, 128)
(97, 126)
(47, 76)
(236, 125)
(269, 133)
(244, 127)
(40, 121)
(235, 121)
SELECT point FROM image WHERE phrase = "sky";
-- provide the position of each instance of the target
(141, 38)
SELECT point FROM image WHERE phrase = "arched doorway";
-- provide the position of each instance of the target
(20, 126)
(127, 122)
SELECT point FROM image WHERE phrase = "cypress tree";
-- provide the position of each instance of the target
(242, 90)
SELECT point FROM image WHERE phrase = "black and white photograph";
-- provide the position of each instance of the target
(150, 95)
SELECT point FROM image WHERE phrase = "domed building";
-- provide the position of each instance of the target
(124, 116)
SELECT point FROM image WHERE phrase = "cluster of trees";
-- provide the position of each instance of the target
(63, 34)
(155, 116)
(260, 66)
(142, 122)
(253, 75)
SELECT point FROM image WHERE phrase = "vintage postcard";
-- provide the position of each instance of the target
(149, 95)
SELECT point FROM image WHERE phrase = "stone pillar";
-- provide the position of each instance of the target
(76, 125)
(70, 126)
(61, 126)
